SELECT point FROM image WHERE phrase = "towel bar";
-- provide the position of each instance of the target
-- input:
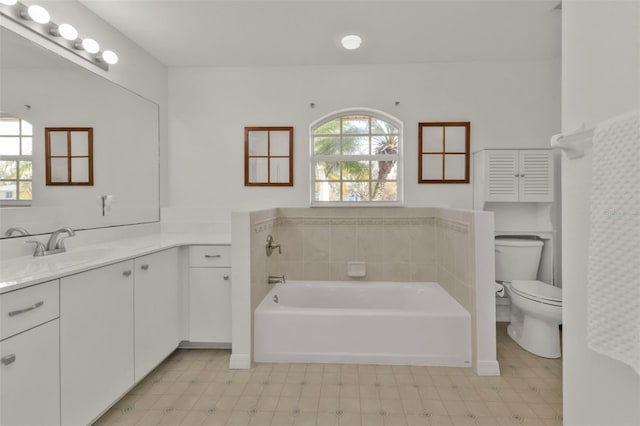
(573, 143)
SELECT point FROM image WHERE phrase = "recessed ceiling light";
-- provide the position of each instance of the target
(351, 41)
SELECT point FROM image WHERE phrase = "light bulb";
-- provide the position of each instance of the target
(110, 57)
(351, 42)
(39, 14)
(67, 32)
(90, 45)
(9, 2)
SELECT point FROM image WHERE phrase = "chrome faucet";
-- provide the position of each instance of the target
(55, 243)
(56, 240)
(271, 246)
(16, 230)
(274, 279)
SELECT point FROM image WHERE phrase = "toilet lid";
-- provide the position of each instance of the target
(538, 290)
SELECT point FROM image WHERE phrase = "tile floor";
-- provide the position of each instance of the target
(195, 387)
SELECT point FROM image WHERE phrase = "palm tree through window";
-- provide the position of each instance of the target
(355, 159)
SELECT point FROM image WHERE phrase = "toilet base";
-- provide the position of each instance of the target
(536, 336)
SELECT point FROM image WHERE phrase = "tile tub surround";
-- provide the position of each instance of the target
(195, 387)
(397, 244)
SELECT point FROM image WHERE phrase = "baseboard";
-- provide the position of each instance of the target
(204, 345)
(487, 368)
(240, 362)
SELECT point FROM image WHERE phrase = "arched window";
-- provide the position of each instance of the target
(16, 165)
(355, 159)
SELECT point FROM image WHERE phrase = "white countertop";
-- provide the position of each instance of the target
(24, 271)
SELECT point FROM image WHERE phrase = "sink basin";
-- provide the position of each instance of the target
(26, 267)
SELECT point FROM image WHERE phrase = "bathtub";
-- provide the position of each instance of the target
(397, 323)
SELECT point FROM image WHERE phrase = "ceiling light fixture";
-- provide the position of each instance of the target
(38, 13)
(351, 41)
(66, 31)
(90, 45)
(37, 19)
(109, 57)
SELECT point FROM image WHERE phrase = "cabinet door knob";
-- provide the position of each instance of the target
(9, 359)
(212, 256)
(127, 273)
(144, 267)
(225, 277)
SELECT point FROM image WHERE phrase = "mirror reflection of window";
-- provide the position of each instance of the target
(16, 165)
(69, 152)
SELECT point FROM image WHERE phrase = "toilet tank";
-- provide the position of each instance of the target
(517, 258)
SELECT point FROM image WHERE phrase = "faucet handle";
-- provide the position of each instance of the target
(40, 248)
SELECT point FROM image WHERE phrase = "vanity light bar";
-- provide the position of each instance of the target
(64, 35)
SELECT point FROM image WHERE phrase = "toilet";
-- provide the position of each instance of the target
(536, 307)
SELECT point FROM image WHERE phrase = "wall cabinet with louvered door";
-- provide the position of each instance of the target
(507, 175)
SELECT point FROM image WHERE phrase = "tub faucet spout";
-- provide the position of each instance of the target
(274, 279)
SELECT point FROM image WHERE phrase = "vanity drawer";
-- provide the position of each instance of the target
(209, 256)
(25, 308)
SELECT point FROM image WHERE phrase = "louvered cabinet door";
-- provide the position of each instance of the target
(536, 175)
(502, 175)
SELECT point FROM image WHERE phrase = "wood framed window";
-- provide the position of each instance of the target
(443, 152)
(268, 156)
(69, 155)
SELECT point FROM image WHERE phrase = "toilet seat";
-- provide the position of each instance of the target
(538, 291)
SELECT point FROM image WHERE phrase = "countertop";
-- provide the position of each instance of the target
(24, 271)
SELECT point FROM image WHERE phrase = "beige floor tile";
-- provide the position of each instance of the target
(238, 418)
(194, 387)
(151, 417)
(417, 420)
(287, 404)
(263, 418)
(306, 419)
(370, 419)
(217, 418)
(194, 418)
(267, 403)
(441, 420)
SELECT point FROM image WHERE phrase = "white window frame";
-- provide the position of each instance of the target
(21, 157)
(398, 158)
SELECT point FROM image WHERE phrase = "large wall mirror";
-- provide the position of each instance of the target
(46, 90)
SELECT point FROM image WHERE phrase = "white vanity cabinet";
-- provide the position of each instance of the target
(210, 295)
(524, 175)
(96, 340)
(29, 356)
(156, 307)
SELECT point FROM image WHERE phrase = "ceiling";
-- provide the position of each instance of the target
(307, 32)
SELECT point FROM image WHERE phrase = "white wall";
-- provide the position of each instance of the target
(600, 79)
(509, 104)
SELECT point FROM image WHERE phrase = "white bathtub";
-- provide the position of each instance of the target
(362, 322)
